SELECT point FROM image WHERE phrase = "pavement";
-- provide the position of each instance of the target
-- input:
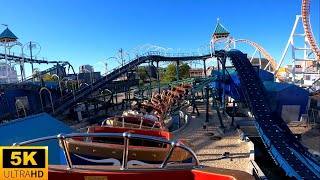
(229, 152)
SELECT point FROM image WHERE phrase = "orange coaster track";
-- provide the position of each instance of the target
(305, 11)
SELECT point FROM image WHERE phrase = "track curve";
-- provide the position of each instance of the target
(305, 12)
(272, 62)
(263, 51)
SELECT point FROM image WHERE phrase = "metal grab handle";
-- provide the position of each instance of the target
(165, 161)
(141, 122)
(126, 136)
(65, 151)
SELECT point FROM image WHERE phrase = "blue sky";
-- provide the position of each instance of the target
(88, 31)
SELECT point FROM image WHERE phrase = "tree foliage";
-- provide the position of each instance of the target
(184, 71)
(142, 73)
(171, 74)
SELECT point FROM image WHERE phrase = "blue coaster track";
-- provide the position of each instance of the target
(283, 147)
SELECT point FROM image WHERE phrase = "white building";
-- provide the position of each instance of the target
(86, 68)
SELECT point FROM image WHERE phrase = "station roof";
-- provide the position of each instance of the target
(7, 35)
(32, 127)
(220, 31)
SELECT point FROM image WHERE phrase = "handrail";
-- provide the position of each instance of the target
(126, 135)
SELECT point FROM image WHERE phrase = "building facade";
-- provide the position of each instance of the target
(86, 68)
(8, 74)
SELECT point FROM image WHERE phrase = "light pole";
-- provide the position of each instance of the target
(32, 45)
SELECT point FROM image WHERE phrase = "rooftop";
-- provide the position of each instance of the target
(220, 31)
(8, 36)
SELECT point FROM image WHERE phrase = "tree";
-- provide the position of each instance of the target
(184, 71)
(171, 73)
(142, 73)
(162, 73)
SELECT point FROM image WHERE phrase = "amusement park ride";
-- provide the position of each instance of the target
(286, 151)
(306, 67)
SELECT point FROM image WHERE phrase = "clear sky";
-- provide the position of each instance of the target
(89, 31)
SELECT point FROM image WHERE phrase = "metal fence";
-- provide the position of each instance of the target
(313, 116)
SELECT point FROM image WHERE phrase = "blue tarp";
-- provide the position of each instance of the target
(32, 127)
(230, 88)
(280, 94)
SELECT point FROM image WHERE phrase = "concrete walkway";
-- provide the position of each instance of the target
(210, 152)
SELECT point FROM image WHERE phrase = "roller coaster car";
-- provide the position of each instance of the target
(109, 150)
(161, 103)
(179, 89)
(174, 94)
(186, 86)
(144, 173)
(136, 146)
(151, 109)
(167, 99)
(145, 145)
(134, 122)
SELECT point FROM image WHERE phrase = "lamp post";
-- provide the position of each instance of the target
(30, 46)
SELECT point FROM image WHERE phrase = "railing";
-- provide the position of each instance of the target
(126, 136)
(161, 53)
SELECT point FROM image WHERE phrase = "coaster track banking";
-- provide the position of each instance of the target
(285, 149)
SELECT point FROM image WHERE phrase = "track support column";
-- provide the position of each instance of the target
(177, 70)
(223, 85)
(158, 76)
